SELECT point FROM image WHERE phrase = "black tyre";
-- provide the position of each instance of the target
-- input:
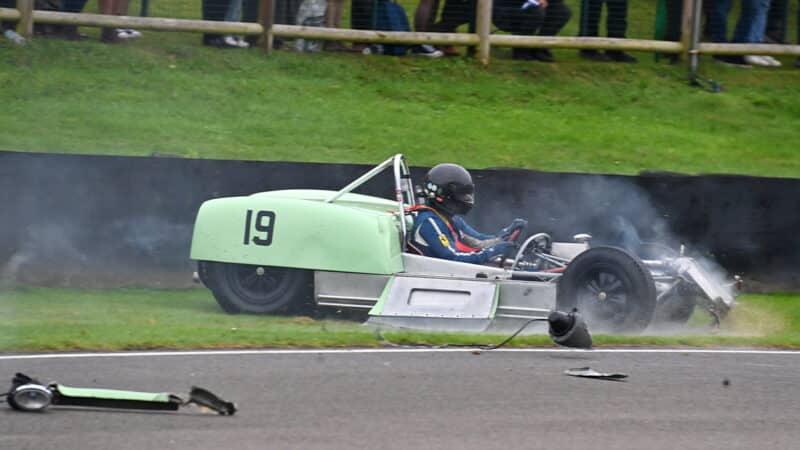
(243, 288)
(611, 288)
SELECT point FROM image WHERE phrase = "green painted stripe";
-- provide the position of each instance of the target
(113, 394)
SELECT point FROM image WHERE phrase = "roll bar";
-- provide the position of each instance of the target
(403, 187)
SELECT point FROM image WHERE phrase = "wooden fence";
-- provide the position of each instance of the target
(482, 39)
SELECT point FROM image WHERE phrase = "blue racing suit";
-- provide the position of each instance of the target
(434, 235)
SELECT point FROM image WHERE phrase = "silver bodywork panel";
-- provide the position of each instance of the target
(428, 266)
(348, 290)
(412, 296)
(525, 299)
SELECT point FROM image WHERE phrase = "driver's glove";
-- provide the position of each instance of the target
(516, 224)
(500, 249)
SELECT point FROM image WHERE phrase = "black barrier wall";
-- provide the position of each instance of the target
(71, 220)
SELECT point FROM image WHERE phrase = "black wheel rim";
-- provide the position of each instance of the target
(258, 285)
(604, 295)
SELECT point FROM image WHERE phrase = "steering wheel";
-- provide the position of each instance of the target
(539, 242)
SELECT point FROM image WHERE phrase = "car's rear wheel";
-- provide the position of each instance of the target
(611, 288)
(255, 289)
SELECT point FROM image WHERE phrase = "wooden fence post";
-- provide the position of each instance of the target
(266, 16)
(483, 26)
(25, 8)
(687, 17)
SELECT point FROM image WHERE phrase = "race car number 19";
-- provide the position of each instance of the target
(261, 232)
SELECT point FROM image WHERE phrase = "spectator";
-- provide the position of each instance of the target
(234, 14)
(333, 19)
(521, 17)
(616, 27)
(776, 29)
(117, 8)
(5, 24)
(71, 31)
(227, 10)
(531, 17)
(454, 14)
(749, 29)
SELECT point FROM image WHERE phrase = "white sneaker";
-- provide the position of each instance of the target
(757, 60)
(235, 41)
(128, 33)
(772, 61)
(427, 50)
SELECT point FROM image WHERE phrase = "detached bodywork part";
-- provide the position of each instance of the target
(30, 395)
(291, 249)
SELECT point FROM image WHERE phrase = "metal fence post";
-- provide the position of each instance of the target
(25, 8)
(483, 25)
(694, 44)
(266, 16)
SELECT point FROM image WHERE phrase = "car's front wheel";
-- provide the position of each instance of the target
(611, 288)
(255, 289)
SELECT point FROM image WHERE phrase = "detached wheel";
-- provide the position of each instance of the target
(611, 288)
(252, 289)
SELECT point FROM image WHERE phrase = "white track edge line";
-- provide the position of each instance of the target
(393, 350)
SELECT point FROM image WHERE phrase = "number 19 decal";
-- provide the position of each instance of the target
(261, 228)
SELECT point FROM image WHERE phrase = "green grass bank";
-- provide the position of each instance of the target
(167, 94)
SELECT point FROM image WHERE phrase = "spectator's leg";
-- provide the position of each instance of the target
(361, 14)
(333, 19)
(233, 13)
(590, 17)
(718, 20)
(250, 14)
(333, 13)
(752, 20)
(8, 25)
(617, 26)
(674, 13)
(776, 21)
(214, 10)
(425, 14)
(556, 16)
(454, 14)
(617, 20)
(589, 26)
(507, 16)
(108, 35)
(72, 6)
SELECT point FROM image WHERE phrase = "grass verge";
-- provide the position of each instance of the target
(39, 319)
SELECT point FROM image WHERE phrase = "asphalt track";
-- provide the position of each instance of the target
(425, 400)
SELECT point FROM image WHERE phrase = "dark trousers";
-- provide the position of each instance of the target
(509, 16)
(777, 19)
(616, 22)
(73, 6)
(361, 12)
(216, 9)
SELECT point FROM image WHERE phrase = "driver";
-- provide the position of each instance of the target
(441, 232)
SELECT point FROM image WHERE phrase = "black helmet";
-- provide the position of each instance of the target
(449, 187)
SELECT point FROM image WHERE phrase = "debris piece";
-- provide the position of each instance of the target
(587, 372)
(29, 394)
